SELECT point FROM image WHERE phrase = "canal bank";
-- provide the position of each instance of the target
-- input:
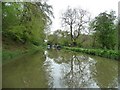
(12, 53)
(112, 54)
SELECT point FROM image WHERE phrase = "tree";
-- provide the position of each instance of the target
(26, 21)
(104, 27)
(59, 37)
(76, 19)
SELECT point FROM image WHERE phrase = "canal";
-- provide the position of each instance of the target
(60, 69)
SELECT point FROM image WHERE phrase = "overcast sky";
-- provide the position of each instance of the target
(93, 6)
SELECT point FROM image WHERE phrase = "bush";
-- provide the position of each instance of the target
(99, 52)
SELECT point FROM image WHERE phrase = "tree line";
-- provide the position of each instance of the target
(27, 21)
(82, 31)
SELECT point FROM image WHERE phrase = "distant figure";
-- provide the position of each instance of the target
(58, 47)
(48, 47)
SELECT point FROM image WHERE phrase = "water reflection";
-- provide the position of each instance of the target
(79, 71)
(60, 69)
(25, 72)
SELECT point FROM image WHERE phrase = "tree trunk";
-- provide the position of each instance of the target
(71, 32)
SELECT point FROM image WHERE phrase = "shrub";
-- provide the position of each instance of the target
(99, 52)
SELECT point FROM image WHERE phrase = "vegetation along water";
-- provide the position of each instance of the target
(83, 54)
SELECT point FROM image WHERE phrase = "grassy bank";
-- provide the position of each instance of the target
(99, 52)
(9, 55)
(12, 50)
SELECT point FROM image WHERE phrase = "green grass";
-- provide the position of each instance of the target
(98, 52)
(11, 49)
(8, 55)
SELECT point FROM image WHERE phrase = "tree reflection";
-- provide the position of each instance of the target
(79, 74)
(73, 70)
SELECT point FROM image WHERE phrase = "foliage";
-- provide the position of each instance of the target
(105, 30)
(26, 21)
(24, 24)
(59, 37)
(63, 38)
(99, 52)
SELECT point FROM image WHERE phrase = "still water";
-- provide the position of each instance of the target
(60, 69)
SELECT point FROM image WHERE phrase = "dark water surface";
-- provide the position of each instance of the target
(60, 69)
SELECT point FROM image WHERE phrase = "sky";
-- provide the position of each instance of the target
(93, 6)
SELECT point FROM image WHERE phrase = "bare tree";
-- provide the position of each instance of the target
(76, 19)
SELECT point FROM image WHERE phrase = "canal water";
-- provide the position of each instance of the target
(60, 69)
